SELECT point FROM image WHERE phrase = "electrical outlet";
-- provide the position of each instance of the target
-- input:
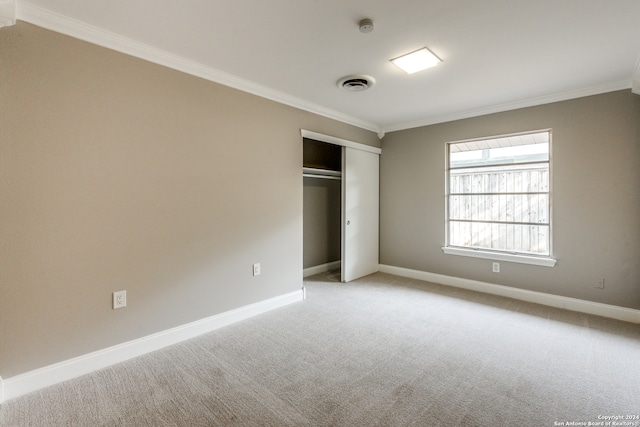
(600, 284)
(256, 269)
(119, 299)
(496, 267)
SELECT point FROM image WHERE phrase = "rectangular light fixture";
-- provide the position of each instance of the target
(416, 61)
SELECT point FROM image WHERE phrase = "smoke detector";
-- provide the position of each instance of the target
(366, 25)
(356, 82)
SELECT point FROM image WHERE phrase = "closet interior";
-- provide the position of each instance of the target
(322, 199)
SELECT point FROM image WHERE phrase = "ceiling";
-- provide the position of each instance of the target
(497, 54)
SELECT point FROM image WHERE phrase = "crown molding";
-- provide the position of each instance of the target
(65, 25)
(72, 27)
(530, 102)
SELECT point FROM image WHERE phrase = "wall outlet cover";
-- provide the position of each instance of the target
(119, 299)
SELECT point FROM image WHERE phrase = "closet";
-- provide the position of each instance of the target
(340, 206)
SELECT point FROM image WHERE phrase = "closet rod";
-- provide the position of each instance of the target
(310, 175)
(323, 172)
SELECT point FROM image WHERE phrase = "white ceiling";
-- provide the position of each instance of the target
(497, 54)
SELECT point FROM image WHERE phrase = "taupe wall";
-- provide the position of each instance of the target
(116, 173)
(596, 198)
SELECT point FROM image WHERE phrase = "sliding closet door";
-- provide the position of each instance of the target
(360, 207)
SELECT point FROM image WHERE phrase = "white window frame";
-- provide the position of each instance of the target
(540, 260)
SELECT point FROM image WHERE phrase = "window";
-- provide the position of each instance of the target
(499, 198)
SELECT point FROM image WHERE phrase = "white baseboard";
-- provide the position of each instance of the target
(310, 271)
(19, 385)
(573, 304)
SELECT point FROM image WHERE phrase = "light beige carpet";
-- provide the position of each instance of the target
(381, 350)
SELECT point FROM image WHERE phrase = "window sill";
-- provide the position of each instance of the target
(522, 259)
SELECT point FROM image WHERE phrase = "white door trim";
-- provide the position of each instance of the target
(339, 141)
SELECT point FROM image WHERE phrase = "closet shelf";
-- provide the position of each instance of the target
(321, 173)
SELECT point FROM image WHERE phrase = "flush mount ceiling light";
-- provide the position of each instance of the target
(416, 61)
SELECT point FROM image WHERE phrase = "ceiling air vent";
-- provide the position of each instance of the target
(356, 82)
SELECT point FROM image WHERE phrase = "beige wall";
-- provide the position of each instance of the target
(596, 198)
(116, 173)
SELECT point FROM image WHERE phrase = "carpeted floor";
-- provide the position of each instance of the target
(379, 351)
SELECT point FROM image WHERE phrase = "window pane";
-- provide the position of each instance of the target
(526, 239)
(500, 151)
(499, 179)
(533, 208)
